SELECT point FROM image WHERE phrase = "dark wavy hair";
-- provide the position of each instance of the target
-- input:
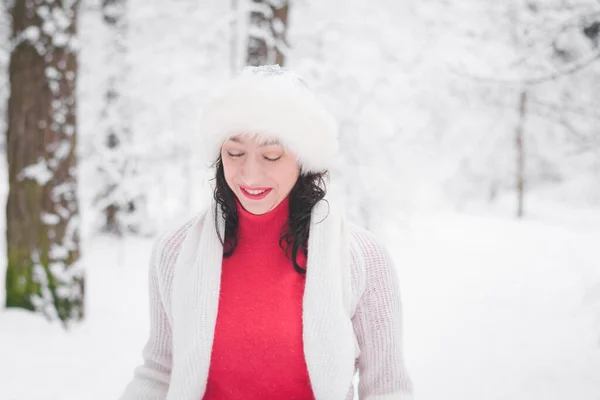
(309, 189)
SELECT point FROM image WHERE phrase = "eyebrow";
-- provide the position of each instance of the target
(268, 143)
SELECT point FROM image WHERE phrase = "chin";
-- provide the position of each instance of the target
(256, 209)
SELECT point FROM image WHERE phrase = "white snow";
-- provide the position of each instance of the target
(49, 219)
(63, 292)
(43, 11)
(38, 172)
(62, 190)
(53, 74)
(49, 27)
(60, 116)
(62, 16)
(58, 252)
(499, 309)
(69, 129)
(63, 149)
(60, 39)
(54, 88)
(39, 274)
(31, 34)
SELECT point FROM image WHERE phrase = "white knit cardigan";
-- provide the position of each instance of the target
(352, 316)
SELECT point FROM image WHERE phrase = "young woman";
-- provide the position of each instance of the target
(271, 293)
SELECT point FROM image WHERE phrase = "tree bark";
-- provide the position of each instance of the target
(42, 213)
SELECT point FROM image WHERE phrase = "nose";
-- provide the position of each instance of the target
(251, 171)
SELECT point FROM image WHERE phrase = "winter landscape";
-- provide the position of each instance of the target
(470, 144)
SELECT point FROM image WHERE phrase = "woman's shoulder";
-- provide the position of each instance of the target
(168, 243)
(366, 245)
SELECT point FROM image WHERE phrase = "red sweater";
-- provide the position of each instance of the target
(258, 349)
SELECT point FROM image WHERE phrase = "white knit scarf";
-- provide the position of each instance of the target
(330, 345)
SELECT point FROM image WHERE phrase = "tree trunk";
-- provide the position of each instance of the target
(266, 35)
(520, 150)
(42, 216)
(116, 200)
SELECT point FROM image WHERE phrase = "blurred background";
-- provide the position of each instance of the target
(470, 143)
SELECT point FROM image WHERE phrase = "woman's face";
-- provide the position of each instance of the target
(260, 175)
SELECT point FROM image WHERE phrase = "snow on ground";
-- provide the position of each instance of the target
(494, 309)
(501, 309)
(93, 361)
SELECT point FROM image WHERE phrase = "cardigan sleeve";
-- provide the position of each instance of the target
(378, 325)
(151, 379)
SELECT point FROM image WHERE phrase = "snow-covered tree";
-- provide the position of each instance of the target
(265, 32)
(119, 201)
(556, 46)
(43, 269)
(526, 78)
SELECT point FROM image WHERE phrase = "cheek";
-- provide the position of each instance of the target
(287, 176)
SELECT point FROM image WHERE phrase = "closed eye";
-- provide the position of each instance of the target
(272, 159)
(234, 154)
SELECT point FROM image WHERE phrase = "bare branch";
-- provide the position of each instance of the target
(581, 138)
(570, 70)
(535, 80)
(566, 110)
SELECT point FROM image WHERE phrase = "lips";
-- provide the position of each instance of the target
(251, 196)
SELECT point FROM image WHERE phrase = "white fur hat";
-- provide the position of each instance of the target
(274, 104)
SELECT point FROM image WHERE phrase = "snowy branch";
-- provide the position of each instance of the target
(567, 110)
(277, 4)
(569, 70)
(264, 33)
(260, 8)
(535, 80)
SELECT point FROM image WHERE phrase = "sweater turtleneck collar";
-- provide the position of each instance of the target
(262, 230)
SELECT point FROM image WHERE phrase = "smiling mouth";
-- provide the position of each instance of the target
(255, 194)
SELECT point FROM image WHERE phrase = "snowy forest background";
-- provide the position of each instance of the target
(470, 144)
